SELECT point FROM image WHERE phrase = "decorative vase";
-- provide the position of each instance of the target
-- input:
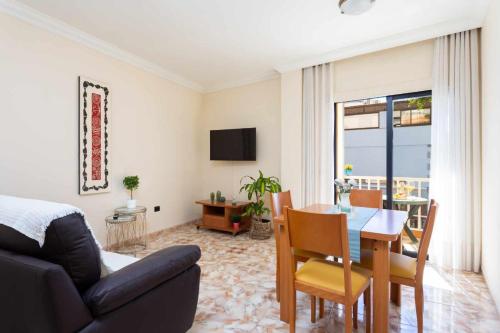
(348, 172)
(345, 202)
(218, 196)
(212, 196)
(131, 203)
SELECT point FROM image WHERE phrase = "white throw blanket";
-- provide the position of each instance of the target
(32, 217)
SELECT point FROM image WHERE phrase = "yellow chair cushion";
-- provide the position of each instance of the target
(401, 265)
(330, 275)
(308, 254)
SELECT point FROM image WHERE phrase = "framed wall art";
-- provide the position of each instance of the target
(94, 125)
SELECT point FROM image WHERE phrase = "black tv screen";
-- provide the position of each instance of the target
(233, 144)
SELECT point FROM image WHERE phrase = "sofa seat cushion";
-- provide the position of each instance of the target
(68, 242)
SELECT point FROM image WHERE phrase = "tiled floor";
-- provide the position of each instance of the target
(237, 292)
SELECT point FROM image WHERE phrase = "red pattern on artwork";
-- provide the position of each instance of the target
(96, 136)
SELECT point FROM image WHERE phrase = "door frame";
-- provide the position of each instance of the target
(390, 99)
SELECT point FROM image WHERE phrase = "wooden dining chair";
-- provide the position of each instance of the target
(409, 271)
(366, 198)
(278, 201)
(338, 282)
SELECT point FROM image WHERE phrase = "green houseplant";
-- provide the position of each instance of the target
(236, 219)
(256, 188)
(131, 183)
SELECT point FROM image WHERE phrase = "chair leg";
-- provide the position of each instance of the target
(348, 318)
(321, 307)
(277, 238)
(368, 309)
(277, 281)
(419, 306)
(313, 309)
(292, 310)
(355, 315)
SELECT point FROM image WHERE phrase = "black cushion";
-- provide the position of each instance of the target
(68, 242)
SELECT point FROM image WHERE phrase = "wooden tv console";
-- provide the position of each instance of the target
(217, 215)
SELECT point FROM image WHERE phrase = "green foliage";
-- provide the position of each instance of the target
(131, 183)
(235, 218)
(256, 188)
(419, 103)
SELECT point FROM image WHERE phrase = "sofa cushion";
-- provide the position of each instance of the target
(68, 242)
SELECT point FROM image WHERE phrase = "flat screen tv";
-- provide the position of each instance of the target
(233, 144)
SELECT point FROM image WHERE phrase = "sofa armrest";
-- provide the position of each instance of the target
(123, 286)
(38, 296)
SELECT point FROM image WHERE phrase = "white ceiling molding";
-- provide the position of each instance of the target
(51, 24)
(399, 39)
(238, 83)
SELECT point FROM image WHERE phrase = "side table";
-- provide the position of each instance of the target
(133, 234)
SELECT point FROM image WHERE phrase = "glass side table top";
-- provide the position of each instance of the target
(120, 219)
(125, 210)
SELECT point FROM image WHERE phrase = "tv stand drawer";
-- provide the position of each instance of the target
(215, 221)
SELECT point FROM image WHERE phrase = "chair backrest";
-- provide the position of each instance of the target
(426, 238)
(280, 200)
(321, 233)
(366, 198)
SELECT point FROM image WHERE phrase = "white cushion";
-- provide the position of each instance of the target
(112, 262)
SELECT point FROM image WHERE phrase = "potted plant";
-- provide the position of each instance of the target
(348, 169)
(131, 183)
(236, 220)
(256, 189)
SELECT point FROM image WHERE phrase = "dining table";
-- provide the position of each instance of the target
(381, 234)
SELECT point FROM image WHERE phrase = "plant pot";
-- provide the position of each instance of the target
(131, 203)
(236, 226)
(260, 229)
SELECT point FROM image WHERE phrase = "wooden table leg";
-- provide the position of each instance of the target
(277, 240)
(284, 275)
(396, 247)
(380, 286)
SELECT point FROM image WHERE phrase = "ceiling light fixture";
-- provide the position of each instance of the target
(355, 7)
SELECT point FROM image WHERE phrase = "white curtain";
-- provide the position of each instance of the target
(317, 135)
(456, 152)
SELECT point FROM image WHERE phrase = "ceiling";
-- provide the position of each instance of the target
(214, 44)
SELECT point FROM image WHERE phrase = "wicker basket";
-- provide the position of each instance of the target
(260, 230)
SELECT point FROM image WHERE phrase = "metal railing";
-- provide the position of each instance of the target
(421, 189)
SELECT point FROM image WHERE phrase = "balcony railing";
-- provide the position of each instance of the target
(421, 186)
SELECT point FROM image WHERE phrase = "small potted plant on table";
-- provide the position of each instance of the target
(131, 183)
(236, 220)
(256, 188)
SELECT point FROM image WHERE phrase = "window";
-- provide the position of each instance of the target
(362, 121)
(363, 114)
(413, 112)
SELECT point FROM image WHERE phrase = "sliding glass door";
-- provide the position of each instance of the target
(387, 142)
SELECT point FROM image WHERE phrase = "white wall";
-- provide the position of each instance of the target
(154, 128)
(491, 153)
(255, 105)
